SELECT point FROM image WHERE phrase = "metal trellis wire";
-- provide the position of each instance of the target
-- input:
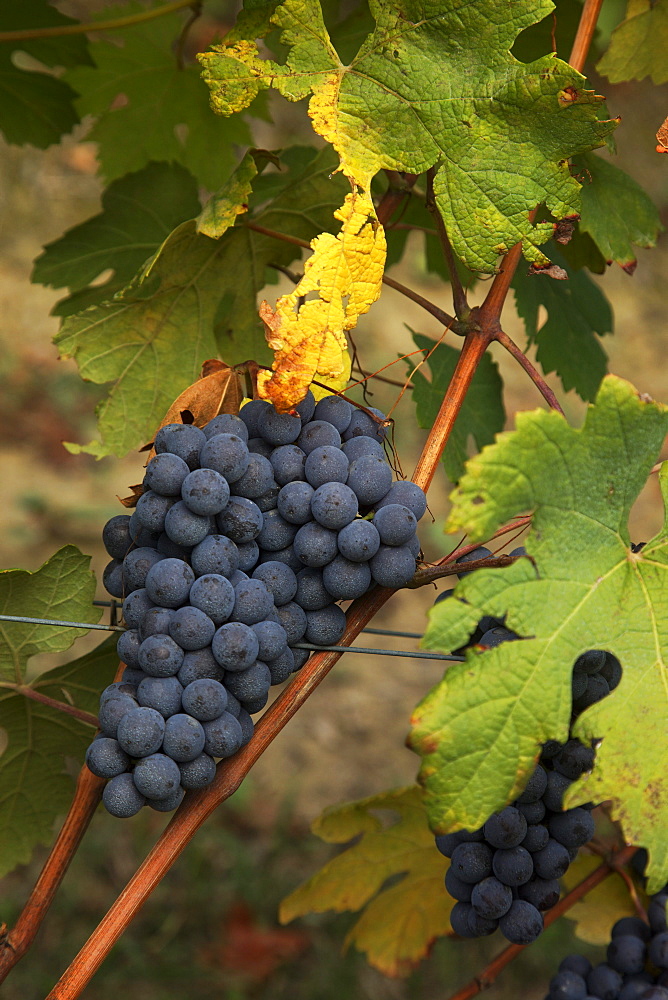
(411, 654)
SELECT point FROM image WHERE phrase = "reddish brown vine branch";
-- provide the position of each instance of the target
(61, 706)
(475, 345)
(530, 369)
(498, 964)
(585, 33)
(86, 798)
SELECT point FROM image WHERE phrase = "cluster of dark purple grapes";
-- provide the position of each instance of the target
(506, 873)
(246, 535)
(636, 967)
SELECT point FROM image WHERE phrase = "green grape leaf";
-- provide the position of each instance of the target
(482, 414)
(479, 731)
(149, 108)
(399, 921)
(63, 588)
(616, 212)
(435, 89)
(195, 299)
(35, 787)
(639, 44)
(35, 106)
(578, 313)
(138, 213)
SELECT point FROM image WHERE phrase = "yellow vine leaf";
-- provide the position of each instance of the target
(308, 334)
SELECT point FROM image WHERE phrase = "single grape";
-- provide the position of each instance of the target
(226, 423)
(658, 950)
(116, 536)
(590, 662)
(334, 505)
(312, 595)
(279, 428)
(127, 647)
(611, 671)
(552, 861)
(160, 656)
(279, 580)
(408, 495)
(288, 464)
(121, 798)
(396, 524)
(184, 737)
(168, 583)
(306, 408)
(257, 479)
(226, 454)
(140, 535)
(169, 803)
(370, 479)
(542, 893)
(112, 711)
(346, 580)
(252, 602)
(155, 621)
(151, 510)
(597, 689)
(212, 594)
(362, 423)
(112, 579)
(315, 545)
(205, 492)
(241, 520)
(568, 986)
(197, 664)
(191, 628)
(325, 627)
(461, 891)
(235, 646)
(574, 759)
(491, 898)
(513, 866)
(522, 924)
(161, 693)
(294, 502)
(392, 566)
(293, 619)
(358, 541)
(204, 700)
(316, 434)
(506, 828)
(326, 464)
(604, 982)
(249, 555)
(536, 838)
(251, 414)
(556, 786)
(336, 411)
(215, 554)
(184, 527)
(197, 773)
(106, 758)
(472, 862)
(572, 828)
(165, 474)
(280, 667)
(157, 776)
(250, 684)
(135, 606)
(362, 445)
(136, 565)
(272, 638)
(631, 925)
(223, 736)
(184, 440)
(276, 532)
(626, 954)
(141, 731)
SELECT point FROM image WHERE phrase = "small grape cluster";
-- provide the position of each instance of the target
(506, 873)
(636, 967)
(245, 536)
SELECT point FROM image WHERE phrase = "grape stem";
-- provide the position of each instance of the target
(462, 310)
(490, 973)
(60, 30)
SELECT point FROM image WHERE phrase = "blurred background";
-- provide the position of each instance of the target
(211, 927)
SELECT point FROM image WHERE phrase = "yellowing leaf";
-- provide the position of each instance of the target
(308, 335)
(399, 923)
(596, 912)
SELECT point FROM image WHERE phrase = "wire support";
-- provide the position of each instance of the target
(55, 621)
(417, 655)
